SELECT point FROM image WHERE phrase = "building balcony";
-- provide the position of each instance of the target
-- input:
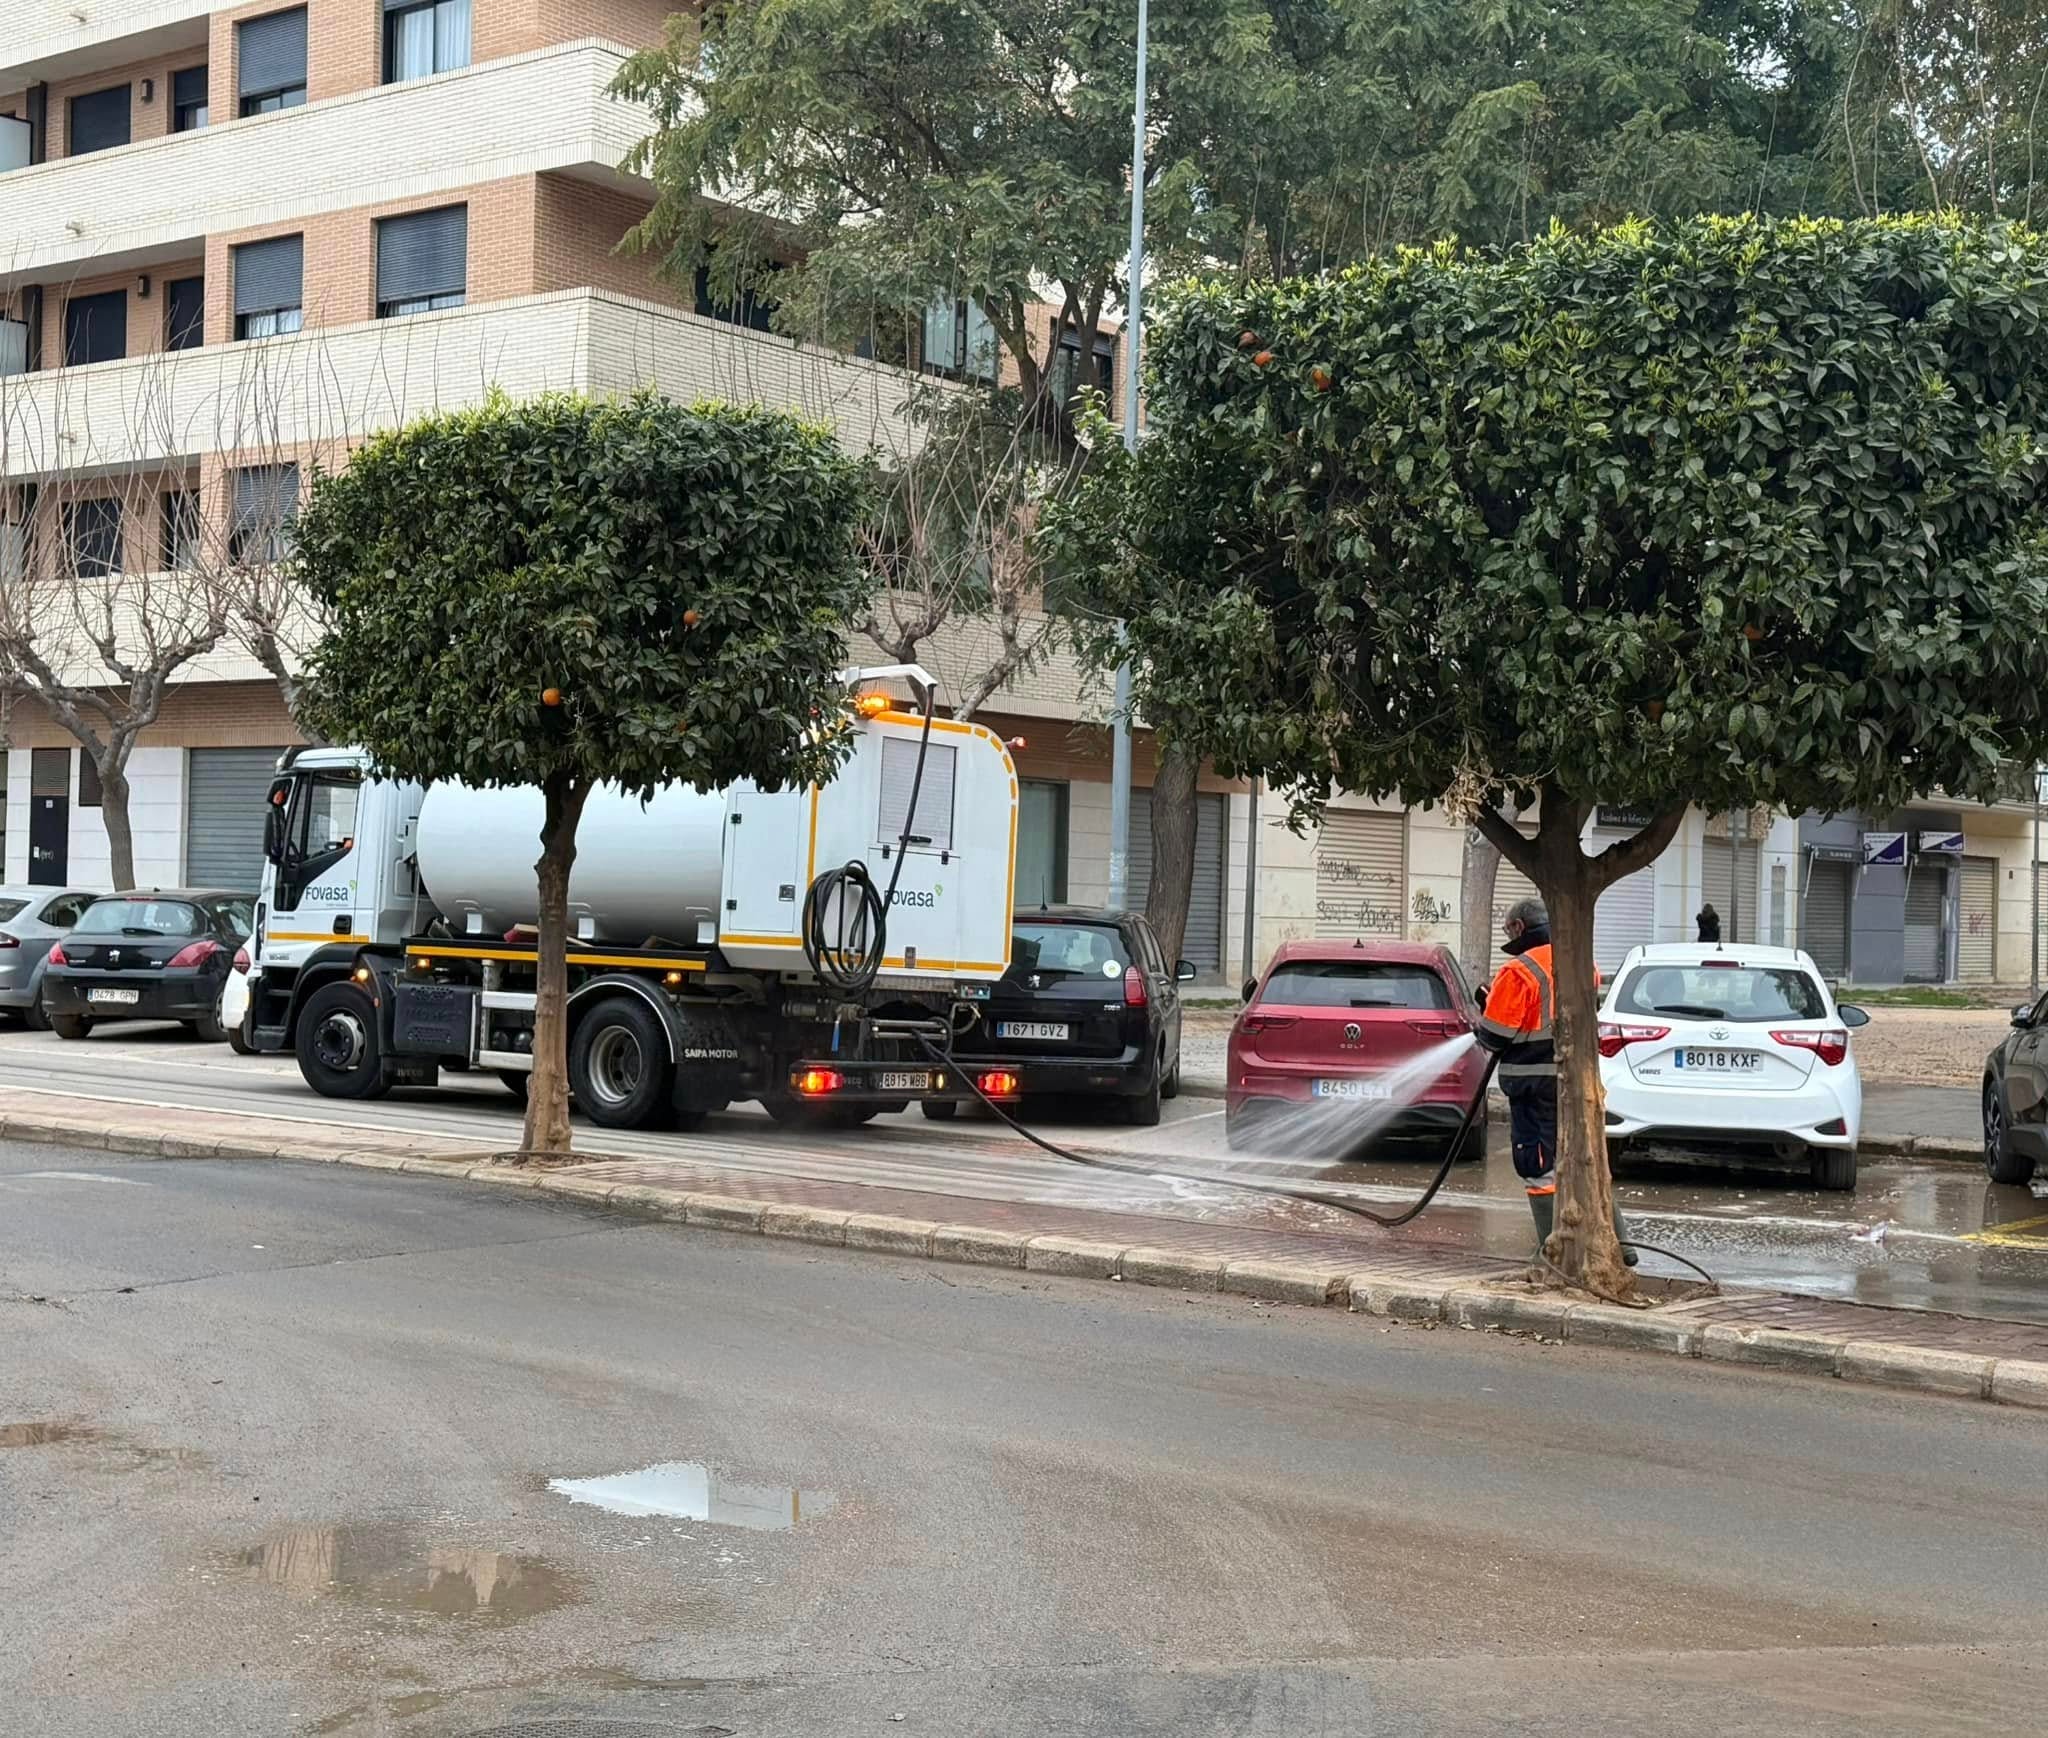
(316, 393)
(69, 38)
(130, 207)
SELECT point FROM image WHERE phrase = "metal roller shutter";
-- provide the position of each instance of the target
(1362, 875)
(1977, 921)
(1626, 916)
(1824, 924)
(423, 254)
(224, 792)
(270, 274)
(100, 121)
(1734, 900)
(271, 52)
(1203, 943)
(1926, 883)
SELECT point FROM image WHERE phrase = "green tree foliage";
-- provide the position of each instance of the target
(1738, 511)
(564, 592)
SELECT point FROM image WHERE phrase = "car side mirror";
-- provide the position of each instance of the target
(1851, 1015)
(2023, 1017)
(1184, 972)
(1251, 989)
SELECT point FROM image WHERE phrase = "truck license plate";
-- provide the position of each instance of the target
(906, 1083)
(1370, 1089)
(1721, 1061)
(1050, 1030)
(114, 998)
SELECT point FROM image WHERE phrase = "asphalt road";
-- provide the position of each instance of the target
(1949, 1239)
(276, 1445)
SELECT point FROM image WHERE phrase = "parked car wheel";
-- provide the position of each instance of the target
(36, 1017)
(1142, 1111)
(2001, 1163)
(1832, 1168)
(209, 1030)
(71, 1026)
(339, 1051)
(1170, 1086)
(1473, 1149)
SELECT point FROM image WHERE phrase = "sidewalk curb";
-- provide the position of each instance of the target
(1511, 1307)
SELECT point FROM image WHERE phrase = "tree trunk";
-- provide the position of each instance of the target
(1583, 1245)
(1173, 847)
(113, 771)
(1478, 875)
(547, 1097)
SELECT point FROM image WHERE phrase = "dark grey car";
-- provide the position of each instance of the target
(32, 921)
(2016, 1098)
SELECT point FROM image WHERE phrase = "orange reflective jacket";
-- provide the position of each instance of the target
(1518, 1014)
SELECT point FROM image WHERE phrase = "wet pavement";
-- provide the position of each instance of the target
(1913, 1234)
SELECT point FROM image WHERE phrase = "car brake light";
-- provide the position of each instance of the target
(815, 1082)
(195, 955)
(1831, 1046)
(1615, 1037)
(998, 1084)
(1134, 987)
(57, 957)
(241, 961)
(1265, 1022)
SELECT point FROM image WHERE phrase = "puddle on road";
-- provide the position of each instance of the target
(110, 1447)
(391, 1567)
(690, 1491)
(48, 1432)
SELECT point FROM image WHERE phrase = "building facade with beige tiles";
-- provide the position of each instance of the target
(236, 238)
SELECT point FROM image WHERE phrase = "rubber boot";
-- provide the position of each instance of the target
(1543, 1209)
(1628, 1256)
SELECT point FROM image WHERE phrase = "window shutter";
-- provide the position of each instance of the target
(271, 52)
(99, 121)
(188, 86)
(96, 328)
(269, 274)
(185, 320)
(265, 496)
(424, 253)
(934, 822)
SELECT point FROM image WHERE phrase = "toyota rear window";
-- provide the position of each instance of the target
(1355, 984)
(141, 917)
(1731, 992)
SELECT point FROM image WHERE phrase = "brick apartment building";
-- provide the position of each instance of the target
(233, 238)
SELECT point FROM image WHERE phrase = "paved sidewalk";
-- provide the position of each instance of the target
(1361, 1267)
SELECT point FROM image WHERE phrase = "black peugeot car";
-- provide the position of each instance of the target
(1088, 1006)
(160, 955)
(2016, 1098)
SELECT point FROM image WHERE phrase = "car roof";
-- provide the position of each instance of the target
(1400, 952)
(1664, 953)
(194, 894)
(33, 890)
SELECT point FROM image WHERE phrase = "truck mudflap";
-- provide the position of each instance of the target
(838, 1080)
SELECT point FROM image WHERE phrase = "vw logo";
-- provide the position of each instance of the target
(1352, 1032)
(1719, 1034)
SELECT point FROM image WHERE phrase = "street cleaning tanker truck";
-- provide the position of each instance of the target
(816, 949)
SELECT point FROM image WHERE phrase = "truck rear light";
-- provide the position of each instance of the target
(1616, 1037)
(241, 962)
(1134, 987)
(816, 1082)
(195, 955)
(1831, 1046)
(56, 956)
(997, 1084)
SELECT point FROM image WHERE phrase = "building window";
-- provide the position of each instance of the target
(270, 58)
(266, 497)
(188, 100)
(184, 313)
(752, 309)
(269, 286)
(959, 342)
(89, 794)
(92, 534)
(1042, 806)
(96, 328)
(422, 261)
(181, 530)
(13, 550)
(423, 37)
(99, 121)
(1069, 374)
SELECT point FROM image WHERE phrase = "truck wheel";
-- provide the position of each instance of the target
(939, 1109)
(339, 1051)
(618, 1064)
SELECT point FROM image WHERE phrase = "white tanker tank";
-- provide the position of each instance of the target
(688, 868)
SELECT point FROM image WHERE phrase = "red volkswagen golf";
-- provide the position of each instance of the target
(1335, 1021)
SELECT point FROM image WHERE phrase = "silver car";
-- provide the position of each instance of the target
(32, 921)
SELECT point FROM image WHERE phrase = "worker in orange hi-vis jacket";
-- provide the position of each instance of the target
(1517, 1026)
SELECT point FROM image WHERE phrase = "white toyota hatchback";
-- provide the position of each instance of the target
(1741, 1051)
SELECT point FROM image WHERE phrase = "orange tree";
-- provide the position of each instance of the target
(1732, 512)
(565, 592)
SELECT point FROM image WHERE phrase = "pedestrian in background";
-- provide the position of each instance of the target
(1710, 924)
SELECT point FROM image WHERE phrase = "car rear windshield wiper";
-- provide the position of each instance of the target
(137, 929)
(1697, 1010)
